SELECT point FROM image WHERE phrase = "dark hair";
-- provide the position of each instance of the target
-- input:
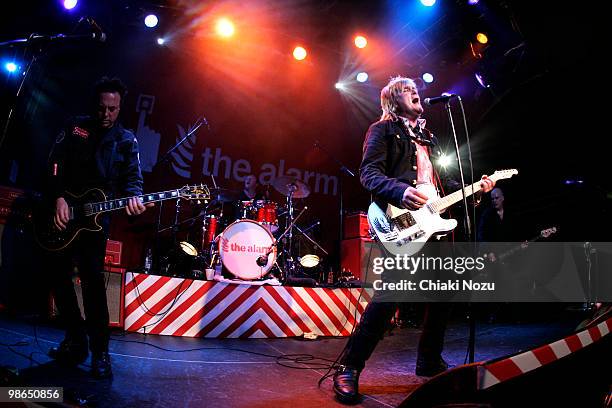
(106, 84)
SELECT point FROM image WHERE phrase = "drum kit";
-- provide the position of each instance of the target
(258, 239)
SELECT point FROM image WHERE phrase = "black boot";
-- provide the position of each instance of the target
(429, 367)
(71, 351)
(101, 365)
(346, 384)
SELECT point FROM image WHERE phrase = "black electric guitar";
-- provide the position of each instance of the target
(85, 208)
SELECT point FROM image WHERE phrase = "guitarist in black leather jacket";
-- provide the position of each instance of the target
(91, 152)
(396, 157)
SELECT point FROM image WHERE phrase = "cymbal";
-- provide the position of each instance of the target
(224, 195)
(286, 184)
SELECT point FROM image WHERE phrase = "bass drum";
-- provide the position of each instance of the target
(240, 244)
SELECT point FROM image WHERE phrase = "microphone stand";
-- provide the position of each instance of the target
(468, 228)
(17, 95)
(263, 259)
(191, 131)
(33, 39)
(348, 172)
(164, 158)
(466, 218)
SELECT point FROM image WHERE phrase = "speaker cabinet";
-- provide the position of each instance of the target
(114, 278)
(358, 255)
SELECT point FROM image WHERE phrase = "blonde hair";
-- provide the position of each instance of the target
(390, 94)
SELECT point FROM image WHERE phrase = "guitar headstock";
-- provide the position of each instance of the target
(503, 174)
(548, 232)
(195, 192)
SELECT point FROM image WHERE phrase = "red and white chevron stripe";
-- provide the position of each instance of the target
(194, 308)
(522, 363)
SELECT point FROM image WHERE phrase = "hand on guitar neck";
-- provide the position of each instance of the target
(413, 199)
(62, 210)
(136, 207)
(55, 227)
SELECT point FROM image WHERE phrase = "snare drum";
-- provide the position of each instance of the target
(266, 214)
(241, 243)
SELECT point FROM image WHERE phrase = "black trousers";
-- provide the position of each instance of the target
(87, 253)
(374, 322)
(378, 313)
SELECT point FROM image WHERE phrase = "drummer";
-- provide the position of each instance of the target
(253, 191)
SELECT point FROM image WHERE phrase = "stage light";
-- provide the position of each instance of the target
(361, 41)
(188, 248)
(362, 77)
(151, 20)
(310, 261)
(340, 86)
(482, 38)
(70, 4)
(472, 2)
(427, 77)
(161, 41)
(225, 28)
(181, 260)
(11, 67)
(573, 181)
(299, 53)
(428, 3)
(444, 160)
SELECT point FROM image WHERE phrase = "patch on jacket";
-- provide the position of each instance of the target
(80, 132)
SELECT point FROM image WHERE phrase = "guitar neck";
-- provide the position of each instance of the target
(118, 203)
(445, 202)
(518, 247)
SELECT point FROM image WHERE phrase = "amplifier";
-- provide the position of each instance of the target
(356, 226)
(13, 203)
(115, 291)
(113, 252)
(357, 257)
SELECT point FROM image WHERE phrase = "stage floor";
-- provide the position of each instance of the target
(161, 371)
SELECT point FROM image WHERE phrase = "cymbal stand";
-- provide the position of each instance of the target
(312, 241)
(289, 220)
(288, 263)
(175, 229)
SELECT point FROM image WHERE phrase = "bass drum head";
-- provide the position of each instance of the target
(240, 244)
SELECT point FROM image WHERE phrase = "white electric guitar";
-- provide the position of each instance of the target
(408, 230)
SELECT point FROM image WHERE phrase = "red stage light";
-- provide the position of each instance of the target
(225, 28)
(299, 53)
(360, 41)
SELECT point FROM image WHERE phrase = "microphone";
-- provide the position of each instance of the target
(262, 260)
(439, 99)
(98, 34)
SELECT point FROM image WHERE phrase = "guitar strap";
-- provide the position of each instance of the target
(105, 163)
